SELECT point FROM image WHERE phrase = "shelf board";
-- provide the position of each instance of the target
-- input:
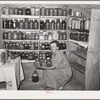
(52, 17)
(19, 16)
(21, 40)
(80, 53)
(25, 30)
(22, 50)
(76, 17)
(78, 67)
(52, 30)
(80, 30)
(83, 44)
(27, 61)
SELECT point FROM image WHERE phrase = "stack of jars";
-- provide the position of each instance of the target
(20, 45)
(14, 35)
(20, 23)
(56, 24)
(20, 10)
(79, 36)
(80, 23)
(44, 46)
(44, 11)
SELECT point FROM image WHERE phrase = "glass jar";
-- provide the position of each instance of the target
(63, 24)
(26, 23)
(20, 11)
(21, 24)
(36, 24)
(55, 12)
(51, 11)
(36, 11)
(59, 11)
(33, 10)
(58, 24)
(47, 24)
(53, 25)
(48, 62)
(31, 24)
(47, 11)
(42, 11)
(87, 24)
(11, 11)
(28, 11)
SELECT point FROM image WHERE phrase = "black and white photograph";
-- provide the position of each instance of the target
(49, 46)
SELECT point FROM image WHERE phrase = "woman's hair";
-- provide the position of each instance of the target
(55, 41)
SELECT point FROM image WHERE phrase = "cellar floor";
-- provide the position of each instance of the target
(74, 84)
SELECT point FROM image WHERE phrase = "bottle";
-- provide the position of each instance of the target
(55, 36)
(59, 11)
(15, 35)
(47, 24)
(20, 11)
(31, 24)
(63, 24)
(10, 24)
(87, 24)
(52, 25)
(24, 10)
(21, 24)
(30, 56)
(33, 10)
(28, 11)
(9, 35)
(4, 25)
(26, 23)
(64, 11)
(16, 11)
(42, 11)
(42, 24)
(35, 76)
(36, 24)
(36, 11)
(5, 35)
(11, 11)
(47, 11)
(58, 24)
(55, 12)
(51, 12)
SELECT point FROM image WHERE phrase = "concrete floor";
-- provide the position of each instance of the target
(74, 84)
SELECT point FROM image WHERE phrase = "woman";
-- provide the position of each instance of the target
(60, 71)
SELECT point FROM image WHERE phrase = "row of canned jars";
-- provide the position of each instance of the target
(43, 11)
(79, 36)
(31, 45)
(32, 55)
(14, 35)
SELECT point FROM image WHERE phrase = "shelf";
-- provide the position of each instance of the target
(25, 30)
(83, 44)
(52, 30)
(80, 53)
(80, 30)
(52, 17)
(76, 17)
(27, 61)
(78, 67)
(22, 40)
(19, 16)
(22, 50)
(51, 40)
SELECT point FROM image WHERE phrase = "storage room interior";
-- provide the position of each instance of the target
(26, 31)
